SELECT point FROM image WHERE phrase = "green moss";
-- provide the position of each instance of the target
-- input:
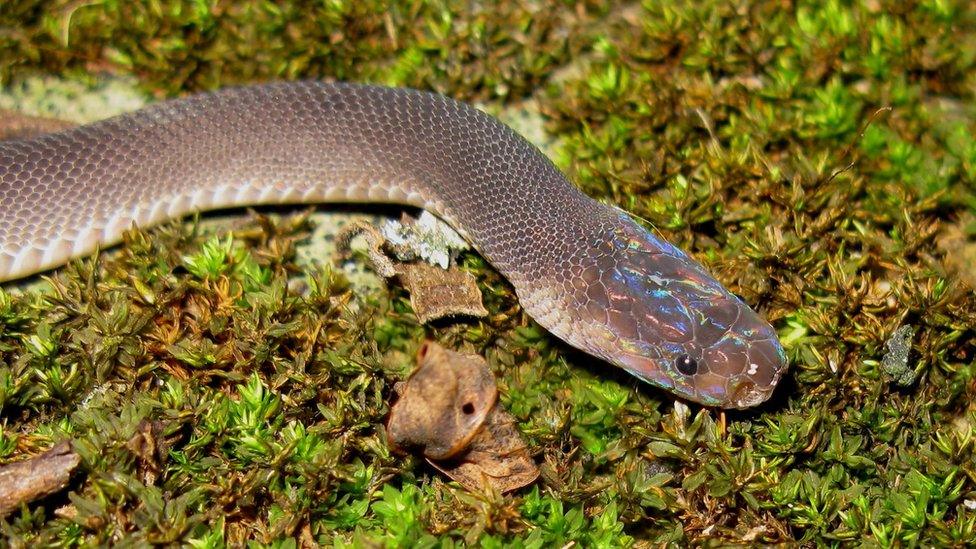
(758, 138)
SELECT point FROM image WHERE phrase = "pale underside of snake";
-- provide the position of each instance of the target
(585, 271)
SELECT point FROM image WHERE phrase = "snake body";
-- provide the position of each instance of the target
(583, 270)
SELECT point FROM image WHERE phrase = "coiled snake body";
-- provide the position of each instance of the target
(585, 271)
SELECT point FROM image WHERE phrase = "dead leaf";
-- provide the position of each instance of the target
(448, 411)
(443, 403)
(497, 457)
(434, 292)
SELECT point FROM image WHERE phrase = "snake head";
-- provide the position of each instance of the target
(656, 312)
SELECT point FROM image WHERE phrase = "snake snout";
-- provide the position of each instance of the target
(750, 358)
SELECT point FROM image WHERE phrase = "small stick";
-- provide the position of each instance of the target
(34, 478)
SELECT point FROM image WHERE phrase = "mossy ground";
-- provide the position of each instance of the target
(818, 156)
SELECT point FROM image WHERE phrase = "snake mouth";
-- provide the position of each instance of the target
(747, 394)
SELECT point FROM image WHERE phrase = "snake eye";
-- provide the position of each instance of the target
(686, 365)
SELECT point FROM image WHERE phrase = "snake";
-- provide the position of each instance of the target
(584, 270)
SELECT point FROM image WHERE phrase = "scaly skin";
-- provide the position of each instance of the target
(584, 271)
